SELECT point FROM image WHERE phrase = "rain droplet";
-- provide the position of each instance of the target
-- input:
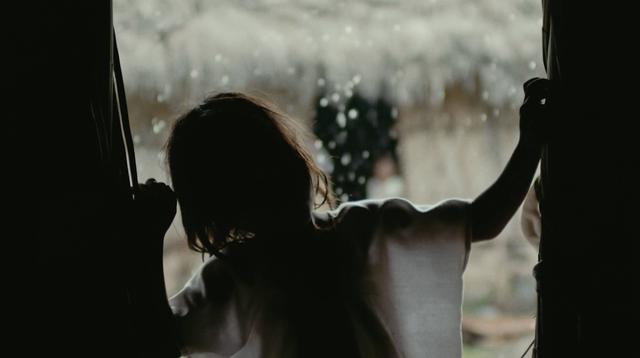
(335, 97)
(224, 80)
(483, 117)
(324, 102)
(485, 95)
(361, 180)
(394, 112)
(353, 113)
(158, 125)
(344, 197)
(321, 82)
(318, 144)
(332, 145)
(345, 159)
(193, 73)
(365, 154)
(341, 119)
(348, 29)
(351, 176)
(357, 79)
(218, 57)
(532, 65)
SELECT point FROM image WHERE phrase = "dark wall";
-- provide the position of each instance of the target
(587, 276)
(69, 190)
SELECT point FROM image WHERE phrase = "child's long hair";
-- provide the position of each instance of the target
(239, 169)
(235, 158)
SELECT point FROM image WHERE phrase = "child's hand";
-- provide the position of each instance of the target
(156, 204)
(534, 112)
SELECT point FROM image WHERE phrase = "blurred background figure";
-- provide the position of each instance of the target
(531, 220)
(385, 182)
(355, 135)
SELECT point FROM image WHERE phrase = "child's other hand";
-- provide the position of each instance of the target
(156, 204)
(534, 112)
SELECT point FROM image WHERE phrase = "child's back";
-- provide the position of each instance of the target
(385, 281)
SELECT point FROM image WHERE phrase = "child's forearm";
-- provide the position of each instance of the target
(492, 210)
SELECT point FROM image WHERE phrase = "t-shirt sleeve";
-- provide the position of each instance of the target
(447, 221)
(455, 216)
(417, 264)
(210, 312)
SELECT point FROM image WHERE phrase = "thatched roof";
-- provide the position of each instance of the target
(416, 48)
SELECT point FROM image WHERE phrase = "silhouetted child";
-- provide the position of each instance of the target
(372, 278)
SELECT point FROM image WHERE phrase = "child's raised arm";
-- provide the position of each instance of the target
(492, 210)
(155, 325)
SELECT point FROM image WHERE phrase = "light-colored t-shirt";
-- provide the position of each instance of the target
(414, 261)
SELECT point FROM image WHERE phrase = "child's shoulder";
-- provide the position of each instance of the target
(395, 210)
